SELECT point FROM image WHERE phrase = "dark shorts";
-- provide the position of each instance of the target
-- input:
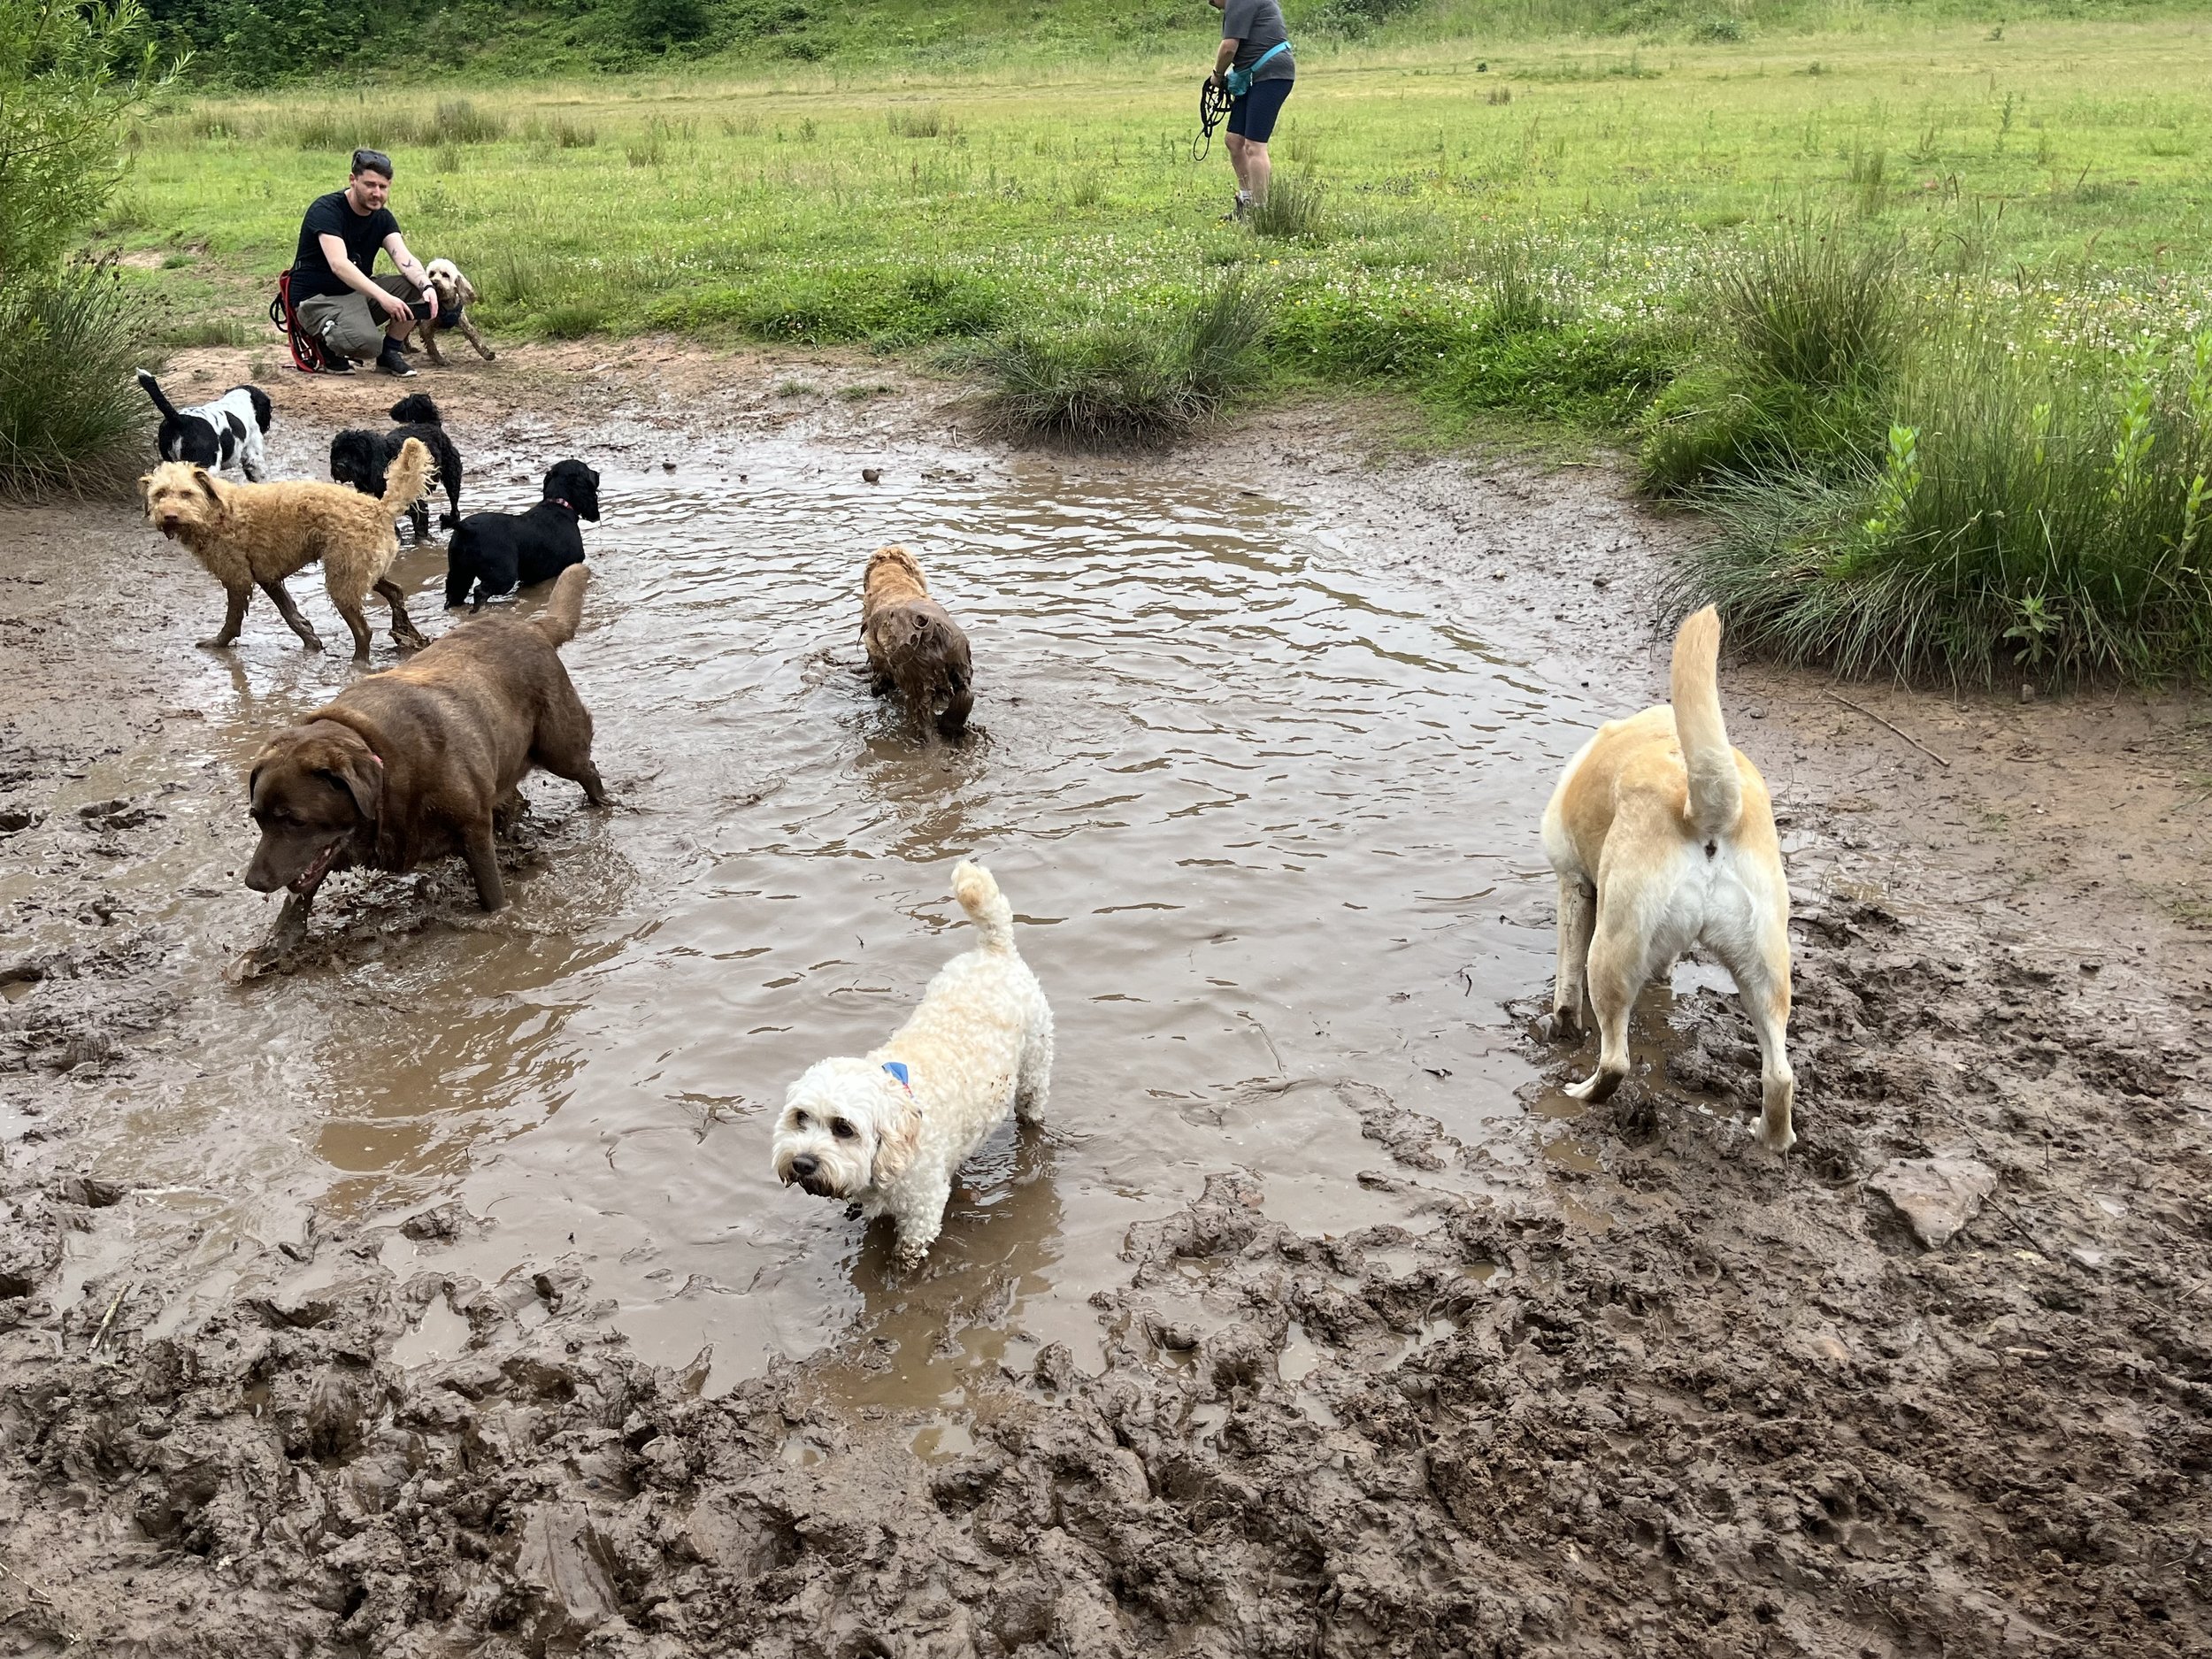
(1252, 117)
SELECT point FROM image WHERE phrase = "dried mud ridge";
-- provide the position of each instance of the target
(1752, 1415)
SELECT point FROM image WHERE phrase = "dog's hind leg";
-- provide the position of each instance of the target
(290, 612)
(403, 629)
(1571, 997)
(1763, 981)
(1034, 1080)
(562, 743)
(477, 847)
(234, 618)
(1618, 961)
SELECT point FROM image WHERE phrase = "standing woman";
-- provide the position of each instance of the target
(1255, 64)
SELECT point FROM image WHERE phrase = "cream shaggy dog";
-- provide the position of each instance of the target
(890, 1131)
(1662, 837)
(456, 293)
(255, 535)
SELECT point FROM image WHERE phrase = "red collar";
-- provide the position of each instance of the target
(562, 501)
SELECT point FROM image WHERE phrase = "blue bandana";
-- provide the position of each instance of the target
(897, 1069)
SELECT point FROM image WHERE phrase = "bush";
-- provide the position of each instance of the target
(2043, 521)
(459, 121)
(1127, 380)
(71, 414)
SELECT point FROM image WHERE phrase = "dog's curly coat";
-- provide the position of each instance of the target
(913, 644)
(251, 536)
(456, 293)
(979, 1043)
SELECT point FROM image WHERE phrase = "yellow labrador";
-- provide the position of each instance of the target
(1662, 837)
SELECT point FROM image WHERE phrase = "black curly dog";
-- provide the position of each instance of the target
(358, 457)
(493, 553)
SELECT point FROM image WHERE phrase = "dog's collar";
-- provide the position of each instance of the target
(897, 1069)
(561, 501)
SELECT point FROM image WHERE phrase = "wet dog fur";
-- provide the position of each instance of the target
(417, 762)
(360, 458)
(914, 644)
(978, 1046)
(224, 433)
(493, 553)
(256, 535)
(1662, 837)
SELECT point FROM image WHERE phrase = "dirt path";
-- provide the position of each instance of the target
(1616, 1382)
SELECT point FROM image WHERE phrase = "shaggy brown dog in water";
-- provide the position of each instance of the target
(414, 762)
(912, 643)
(251, 536)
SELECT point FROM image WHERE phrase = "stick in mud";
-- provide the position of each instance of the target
(1877, 720)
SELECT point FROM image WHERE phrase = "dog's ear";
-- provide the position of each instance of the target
(465, 288)
(898, 1137)
(361, 778)
(145, 484)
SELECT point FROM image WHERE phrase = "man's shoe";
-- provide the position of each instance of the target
(334, 362)
(394, 362)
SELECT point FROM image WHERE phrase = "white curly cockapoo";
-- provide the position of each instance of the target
(890, 1131)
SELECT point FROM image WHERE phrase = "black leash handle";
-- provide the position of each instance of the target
(1213, 109)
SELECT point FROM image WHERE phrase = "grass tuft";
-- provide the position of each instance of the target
(1128, 380)
(1297, 209)
(2040, 522)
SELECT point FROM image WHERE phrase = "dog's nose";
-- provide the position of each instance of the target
(805, 1165)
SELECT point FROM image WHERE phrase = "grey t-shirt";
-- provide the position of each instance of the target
(1258, 25)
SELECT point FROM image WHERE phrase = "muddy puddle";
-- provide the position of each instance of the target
(1265, 817)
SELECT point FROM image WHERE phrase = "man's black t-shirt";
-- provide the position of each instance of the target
(333, 215)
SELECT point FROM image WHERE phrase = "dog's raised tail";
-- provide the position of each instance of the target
(564, 613)
(153, 390)
(1715, 788)
(407, 480)
(985, 905)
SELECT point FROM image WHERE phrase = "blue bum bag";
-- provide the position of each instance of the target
(1240, 80)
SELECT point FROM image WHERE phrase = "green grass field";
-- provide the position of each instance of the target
(1506, 227)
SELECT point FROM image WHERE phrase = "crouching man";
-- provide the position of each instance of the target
(353, 314)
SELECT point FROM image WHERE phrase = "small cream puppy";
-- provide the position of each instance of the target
(890, 1131)
(1663, 837)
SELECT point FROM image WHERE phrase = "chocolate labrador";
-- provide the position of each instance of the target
(412, 764)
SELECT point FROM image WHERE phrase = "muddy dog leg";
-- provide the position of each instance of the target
(290, 612)
(430, 341)
(477, 340)
(561, 744)
(404, 630)
(1570, 996)
(233, 618)
(483, 861)
(358, 623)
(1618, 964)
(1763, 981)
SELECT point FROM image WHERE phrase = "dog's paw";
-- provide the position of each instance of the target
(1556, 1026)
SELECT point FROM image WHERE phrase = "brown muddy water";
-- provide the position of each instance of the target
(1266, 816)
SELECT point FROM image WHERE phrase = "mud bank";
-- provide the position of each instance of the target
(1385, 1348)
